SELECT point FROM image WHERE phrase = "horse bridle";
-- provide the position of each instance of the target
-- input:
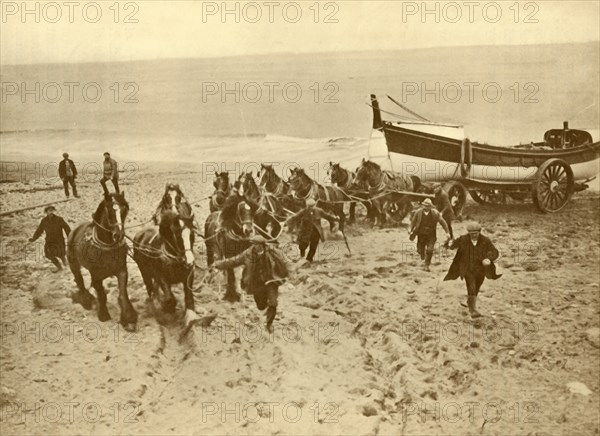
(120, 225)
(310, 192)
(347, 184)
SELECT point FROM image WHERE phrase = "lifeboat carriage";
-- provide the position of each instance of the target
(550, 171)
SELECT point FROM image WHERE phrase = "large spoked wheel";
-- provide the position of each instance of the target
(493, 196)
(458, 196)
(553, 186)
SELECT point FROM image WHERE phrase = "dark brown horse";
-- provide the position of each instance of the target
(329, 198)
(344, 179)
(222, 191)
(382, 186)
(226, 234)
(99, 247)
(269, 214)
(165, 257)
(271, 183)
(171, 200)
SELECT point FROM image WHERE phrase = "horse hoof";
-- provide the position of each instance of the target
(190, 317)
(77, 298)
(130, 327)
(103, 317)
(232, 297)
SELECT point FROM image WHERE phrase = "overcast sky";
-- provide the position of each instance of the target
(177, 29)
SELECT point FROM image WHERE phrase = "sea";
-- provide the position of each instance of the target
(233, 113)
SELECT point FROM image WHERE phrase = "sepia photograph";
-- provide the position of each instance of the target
(303, 217)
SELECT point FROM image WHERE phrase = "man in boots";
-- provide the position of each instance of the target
(265, 270)
(54, 247)
(473, 262)
(310, 231)
(68, 173)
(110, 171)
(424, 227)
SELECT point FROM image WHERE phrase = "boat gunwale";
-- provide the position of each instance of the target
(495, 149)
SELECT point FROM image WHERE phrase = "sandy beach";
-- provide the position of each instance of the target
(366, 343)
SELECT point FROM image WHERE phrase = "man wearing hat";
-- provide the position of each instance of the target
(424, 227)
(473, 262)
(110, 171)
(68, 173)
(265, 270)
(443, 205)
(54, 247)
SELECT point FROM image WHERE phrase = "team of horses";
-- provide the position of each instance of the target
(165, 253)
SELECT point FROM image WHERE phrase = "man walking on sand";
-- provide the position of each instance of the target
(444, 207)
(54, 248)
(110, 172)
(473, 262)
(424, 227)
(68, 173)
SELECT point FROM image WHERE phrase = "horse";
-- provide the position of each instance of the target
(271, 183)
(381, 185)
(269, 213)
(344, 179)
(165, 256)
(226, 234)
(329, 198)
(171, 200)
(222, 191)
(99, 247)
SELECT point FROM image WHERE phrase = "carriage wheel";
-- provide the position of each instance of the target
(492, 196)
(553, 186)
(458, 196)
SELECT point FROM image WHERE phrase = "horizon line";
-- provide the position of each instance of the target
(282, 53)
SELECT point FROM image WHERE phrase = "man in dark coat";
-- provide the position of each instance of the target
(54, 248)
(110, 171)
(473, 262)
(424, 226)
(310, 231)
(68, 173)
(264, 271)
(444, 207)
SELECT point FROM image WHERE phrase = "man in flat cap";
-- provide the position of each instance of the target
(110, 171)
(443, 205)
(473, 262)
(265, 270)
(54, 247)
(68, 173)
(424, 226)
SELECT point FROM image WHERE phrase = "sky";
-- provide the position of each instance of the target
(85, 31)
